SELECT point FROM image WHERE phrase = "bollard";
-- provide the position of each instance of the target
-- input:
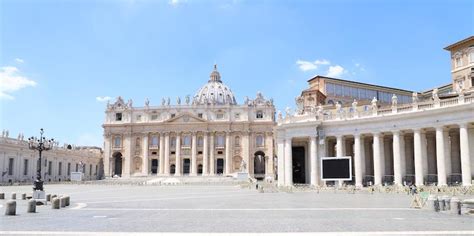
(68, 200)
(48, 197)
(62, 201)
(10, 208)
(13, 196)
(260, 189)
(430, 203)
(442, 203)
(447, 203)
(23, 196)
(436, 205)
(31, 206)
(2, 196)
(455, 206)
(55, 203)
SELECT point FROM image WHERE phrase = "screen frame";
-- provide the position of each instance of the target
(336, 158)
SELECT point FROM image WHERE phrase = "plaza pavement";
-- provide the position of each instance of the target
(103, 208)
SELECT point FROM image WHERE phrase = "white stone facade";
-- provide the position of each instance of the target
(208, 134)
(429, 142)
(19, 164)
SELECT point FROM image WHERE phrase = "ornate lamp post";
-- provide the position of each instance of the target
(40, 145)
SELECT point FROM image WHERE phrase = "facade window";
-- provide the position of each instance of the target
(154, 117)
(90, 169)
(200, 115)
(200, 141)
(458, 61)
(259, 115)
(25, 167)
(173, 142)
(117, 142)
(96, 169)
(330, 89)
(220, 116)
(77, 167)
(139, 117)
(60, 167)
(471, 55)
(259, 141)
(137, 143)
(68, 168)
(237, 116)
(220, 140)
(10, 166)
(237, 141)
(50, 168)
(173, 115)
(154, 141)
(118, 116)
(187, 141)
(338, 90)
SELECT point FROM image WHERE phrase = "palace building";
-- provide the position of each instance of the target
(392, 136)
(208, 134)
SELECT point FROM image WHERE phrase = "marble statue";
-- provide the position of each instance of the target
(243, 166)
(188, 99)
(394, 100)
(374, 103)
(147, 102)
(178, 100)
(168, 102)
(163, 101)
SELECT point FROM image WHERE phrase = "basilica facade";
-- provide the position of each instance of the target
(209, 134)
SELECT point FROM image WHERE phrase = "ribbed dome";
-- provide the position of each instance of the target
(214, 92)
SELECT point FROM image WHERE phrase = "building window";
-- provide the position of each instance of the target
(10, 166)
(259, 115)
(173, 142)
(220, 141)
(96, 169)
(118, 116)
(25, 167)
(154, 117)
(187, 141)
(137, 143)
(200, 115)
(68, 168)
(90, 169)
(173, 115)
(117, 142)
(60, 167)
(471, 55)
(259, 141)
(237, 141)
(237, 116)
(50, 168)
(200, 141)
(139, 117)
(77, 167)
(154, 141)
(458, 61)
(220, 116)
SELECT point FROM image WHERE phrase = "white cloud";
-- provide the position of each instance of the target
(11, 81)
(335, 71)
(102, 99)
(308, 65)
(19, 60)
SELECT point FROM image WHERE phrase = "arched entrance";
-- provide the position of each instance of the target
(199, 169)
(172, 169)
(186, 166)
(117, 164)
(259, 165)
(220, 166)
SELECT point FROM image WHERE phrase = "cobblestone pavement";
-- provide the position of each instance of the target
(101, 208)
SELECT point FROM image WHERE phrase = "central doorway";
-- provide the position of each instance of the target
(186, 166)
(259, 165)
(154, 166)
(117, 164)
(299, 165)
(220, 166)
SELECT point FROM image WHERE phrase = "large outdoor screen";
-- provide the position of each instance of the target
(336, 168)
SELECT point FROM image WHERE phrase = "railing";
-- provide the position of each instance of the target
(369, 111)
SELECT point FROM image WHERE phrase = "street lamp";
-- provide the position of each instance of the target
(40, 145)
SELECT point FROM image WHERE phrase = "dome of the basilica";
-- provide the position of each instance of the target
(214, 91)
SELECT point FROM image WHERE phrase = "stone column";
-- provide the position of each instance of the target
(161, 163)
(424, 153)
(145, 155)
(340, 152)
(313, 154)
(377, 159)
(194, 155)
(205, 154)
(269, 146)
(127, 147)
(418, 157)
(167, 154)
(212, 161)
(228, 157)
(107, 158)
(397, 158)
(281, 161)
(358, 160)
(440, 156)
(246, 149)
(288, 163)
(403, 162)
(178, 164)
(465, 155)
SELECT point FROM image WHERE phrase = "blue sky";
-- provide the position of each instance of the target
(57, 57)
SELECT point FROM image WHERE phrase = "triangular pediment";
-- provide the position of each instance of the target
(185, 118)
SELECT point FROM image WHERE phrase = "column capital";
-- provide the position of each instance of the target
(463, 125)
(396, 132)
